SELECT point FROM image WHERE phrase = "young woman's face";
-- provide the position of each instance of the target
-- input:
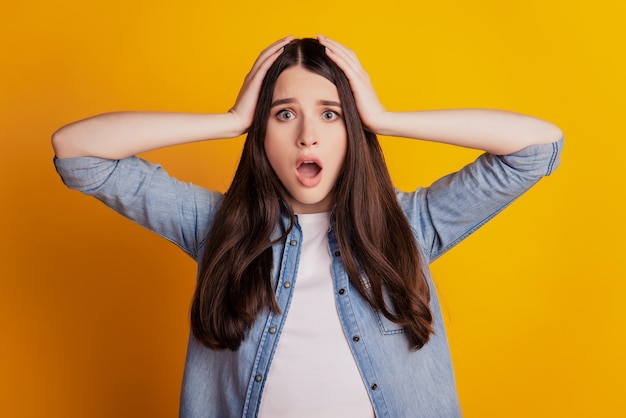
(306, 138)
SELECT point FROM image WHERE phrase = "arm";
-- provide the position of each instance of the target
(495, 131)
(519, 151)
(122, 134)
(143, 192)
(455, 206)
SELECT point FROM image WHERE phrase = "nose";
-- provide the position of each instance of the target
(307, 136)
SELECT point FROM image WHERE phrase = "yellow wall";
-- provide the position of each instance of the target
(93, 309)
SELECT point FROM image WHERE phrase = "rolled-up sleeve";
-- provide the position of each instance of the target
(458, 204)
(145, 193)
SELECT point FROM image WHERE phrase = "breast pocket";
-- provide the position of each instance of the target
(387, 327)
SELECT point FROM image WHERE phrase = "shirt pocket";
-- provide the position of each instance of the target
(386, 326)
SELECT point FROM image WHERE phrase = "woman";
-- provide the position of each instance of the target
(313, 295)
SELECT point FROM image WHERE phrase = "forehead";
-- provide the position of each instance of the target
(300, 83)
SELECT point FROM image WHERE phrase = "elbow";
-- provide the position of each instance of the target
(543, 133)
(540, 132)
(64, 143)
(536, 131)
(552, 134)
(57, 142)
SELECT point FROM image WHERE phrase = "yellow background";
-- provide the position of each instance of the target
(93, 309)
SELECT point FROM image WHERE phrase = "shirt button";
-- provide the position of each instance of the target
(337, 253)
(356, 338)
(258, 378)
(293, 242)
(272, 330)
(287, 285)
(342, 291)
(374, 386)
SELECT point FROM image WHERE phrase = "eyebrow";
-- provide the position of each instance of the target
(319, 102)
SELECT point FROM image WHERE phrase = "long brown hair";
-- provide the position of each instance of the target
(374, 236)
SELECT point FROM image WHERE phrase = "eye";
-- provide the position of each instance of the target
(330, 115)
(285, 115)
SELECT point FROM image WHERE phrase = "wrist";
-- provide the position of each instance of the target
(382, 125)
(235, 124)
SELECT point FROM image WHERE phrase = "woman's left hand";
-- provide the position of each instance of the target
(370, 109)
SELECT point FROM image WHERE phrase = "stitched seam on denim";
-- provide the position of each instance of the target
(150, 180)
(476, 227)
(362, 362)
(203, 241)
(555, 153)
(367, 285)
(92, 190)
(162, 236)
(470, 231)
(265, 335)
(382, 327)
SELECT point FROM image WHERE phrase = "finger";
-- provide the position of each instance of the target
(275, 47)
(344, 58)
(326, 41)
(271, 52)
(351, 68)
(250, 89)
(340, 50)
(367, 100)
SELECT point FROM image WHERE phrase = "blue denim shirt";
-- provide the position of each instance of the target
(401, 382)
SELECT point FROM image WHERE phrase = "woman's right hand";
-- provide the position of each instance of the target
(122, 134)
(245, 104)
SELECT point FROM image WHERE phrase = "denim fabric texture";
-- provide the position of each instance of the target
(401, 382)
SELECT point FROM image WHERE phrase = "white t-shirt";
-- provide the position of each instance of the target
(313, 373)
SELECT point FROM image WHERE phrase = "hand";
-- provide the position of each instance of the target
(370, 109)
(247, 98)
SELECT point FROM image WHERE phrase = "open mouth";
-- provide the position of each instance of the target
(309, 169)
